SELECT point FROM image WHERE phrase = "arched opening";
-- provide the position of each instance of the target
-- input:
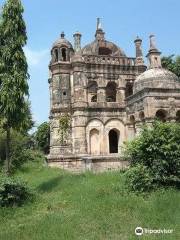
(178, 116)
(142, 116)
(56, 57)
(129, 89)
(94, 142)
(133, 124)
(161, 115)
(113, 141)
(111, 92)
(104, 51)
(94, 98)
(92, 91)
(64, 55)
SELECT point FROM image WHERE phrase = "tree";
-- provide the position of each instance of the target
(158, 149)
(13, 71)
(42, 137)
(28, 122)
(172, 64)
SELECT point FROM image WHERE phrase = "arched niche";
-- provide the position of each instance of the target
(161, 115)
(111, 92)
(133, 124)
(92, 91)
(142, 116)
(55, 55)
(178, 116)
(94, 142)
(64, 56)
(129, 89)
(104, 51)
(92, 136)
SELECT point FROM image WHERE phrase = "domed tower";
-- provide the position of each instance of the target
(60, 93)
(156, 92)
(60, 67)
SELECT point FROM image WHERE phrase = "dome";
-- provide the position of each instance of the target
(156, 78)
(62, 42)
(103, 48)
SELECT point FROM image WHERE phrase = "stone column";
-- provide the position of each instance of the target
(79, 133)
(120, 95)
(101, 94)
(79, 141)
(131, 132)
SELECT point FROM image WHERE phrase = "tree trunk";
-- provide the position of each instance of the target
(7, 165)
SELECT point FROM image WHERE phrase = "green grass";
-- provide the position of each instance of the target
(87, 207)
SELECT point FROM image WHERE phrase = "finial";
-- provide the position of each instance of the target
(77, 41)
(62, 35)
(137, 39)
(77, 33)
(152, 41)
(139, 54)
(99, 23)
(154, 54)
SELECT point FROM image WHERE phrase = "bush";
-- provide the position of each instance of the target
(25, 155)
(13, 192)
(158, 149)
(139, 179)
(21, 149)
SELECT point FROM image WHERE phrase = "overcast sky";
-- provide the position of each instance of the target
(122, 20)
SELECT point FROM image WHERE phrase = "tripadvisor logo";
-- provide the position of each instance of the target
(139, 231)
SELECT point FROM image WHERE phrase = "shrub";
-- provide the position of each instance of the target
(25, 155)
(139, 179)
(13, 192)
(21, 149)
(158, 148)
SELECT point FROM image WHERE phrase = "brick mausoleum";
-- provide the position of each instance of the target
(104, 98)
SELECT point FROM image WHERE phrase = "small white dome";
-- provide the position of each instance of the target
(156, 78)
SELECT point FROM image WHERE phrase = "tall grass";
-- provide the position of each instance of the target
(87, 207)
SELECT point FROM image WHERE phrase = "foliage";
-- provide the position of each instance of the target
(13, 65)
(42, 137)
(2, 146)
(158, 149)
(13, 71)
(64, 125)
(139, 178)
(28, 122)
(172, 64)
(21, 149)
(13, 192)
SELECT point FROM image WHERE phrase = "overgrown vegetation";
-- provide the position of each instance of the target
(155, 154)
(13, 192)
(64, 125)
(139, 179)
(23, 149)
